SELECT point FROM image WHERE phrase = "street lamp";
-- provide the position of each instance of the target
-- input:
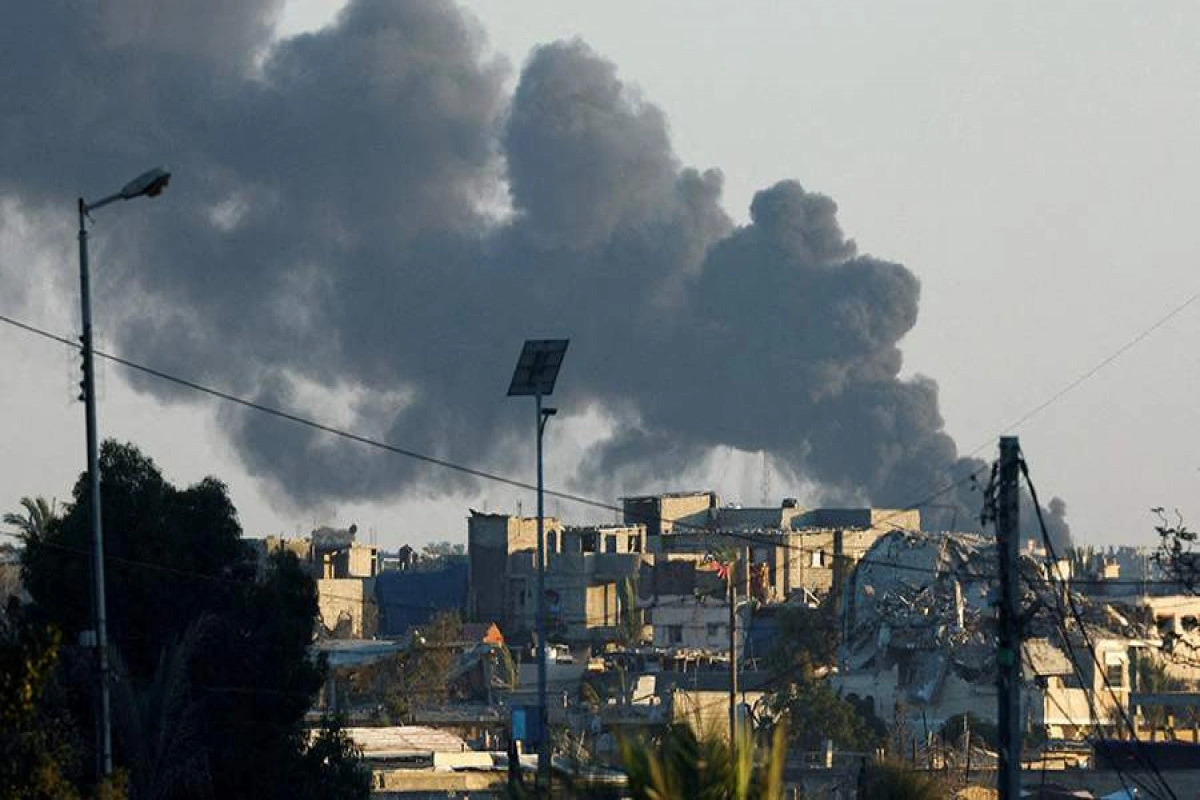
(536, 372)
(148, 184)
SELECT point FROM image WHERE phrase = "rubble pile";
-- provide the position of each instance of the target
(923, 602)
(916, 593)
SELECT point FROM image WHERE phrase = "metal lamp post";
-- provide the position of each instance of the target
(148, 184)
(536, 372)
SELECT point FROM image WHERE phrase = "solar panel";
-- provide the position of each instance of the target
(537, 368)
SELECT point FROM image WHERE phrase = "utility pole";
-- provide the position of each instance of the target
(731, 579)
(1008, 652)
(148, 184)
(99, 604)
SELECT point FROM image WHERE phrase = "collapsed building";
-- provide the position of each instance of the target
(918, 639)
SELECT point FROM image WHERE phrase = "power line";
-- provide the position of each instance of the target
(1095, 723)
(298, 419)
(1104, 362)
(397, 450)
(1099, 666)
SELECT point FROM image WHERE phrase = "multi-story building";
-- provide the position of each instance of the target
(686, 605)
(491, 539)
(345, 573)
(589, 580)
(805, 551)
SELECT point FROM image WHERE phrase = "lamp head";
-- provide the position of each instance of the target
(150, 184)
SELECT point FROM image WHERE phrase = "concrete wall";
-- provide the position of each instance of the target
(602, 539)
(585, 587)
(660, 513)
(351, 599)
(956, 696)
(491, 538)
(685, 623)
(355, 561)
(360, 561)
(707, 711)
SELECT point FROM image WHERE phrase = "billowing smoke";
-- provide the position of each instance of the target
(364, 217)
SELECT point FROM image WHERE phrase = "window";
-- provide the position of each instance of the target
(714, 629)
(674, 634)
(610, 543)
(818, 558)
(551, 542)
(1115, 674)
(635, 543)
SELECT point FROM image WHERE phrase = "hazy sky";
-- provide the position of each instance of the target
(1034, 165)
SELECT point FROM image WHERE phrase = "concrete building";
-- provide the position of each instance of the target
(589, 596)
(919, 634)
(661, 512)
(412, 597)
(803, 551)
(686, 605)
(587, 570)
(345, 573)
(347, 607)
(351, 561)
(491, 539)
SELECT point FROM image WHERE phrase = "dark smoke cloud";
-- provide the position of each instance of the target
(364, 211)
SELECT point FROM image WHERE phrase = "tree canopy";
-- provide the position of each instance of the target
(204, 640)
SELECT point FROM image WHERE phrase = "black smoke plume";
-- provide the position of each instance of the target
(365, 213)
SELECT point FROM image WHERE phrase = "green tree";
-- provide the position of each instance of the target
(175, 556)
(418, 676)
(897, 782)
(38, 749)
(680, 764)
(38, 517)
(160, 721)
(808, 637)
(332, 767)
(814, 712)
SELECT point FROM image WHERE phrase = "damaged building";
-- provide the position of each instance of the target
(804, 551)
(918, 638)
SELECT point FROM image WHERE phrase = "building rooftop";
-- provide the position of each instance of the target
(405, 741)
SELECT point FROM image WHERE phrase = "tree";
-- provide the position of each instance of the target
(38, 751)
(814, 713)
(418, 676)
(1177, 555)
(808, 637)
(160, 722)
(682, 764)
(444, 549)
(332, 768)
(40, 514)
(175, 556)
(895, 782)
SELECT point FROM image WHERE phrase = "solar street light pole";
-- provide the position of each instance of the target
(543, 416)
(536, 372)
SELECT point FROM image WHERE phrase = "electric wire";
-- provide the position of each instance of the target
(1138, 750)
(450, 465)
(1089, 696)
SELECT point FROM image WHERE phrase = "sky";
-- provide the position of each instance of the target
(1034, 167)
